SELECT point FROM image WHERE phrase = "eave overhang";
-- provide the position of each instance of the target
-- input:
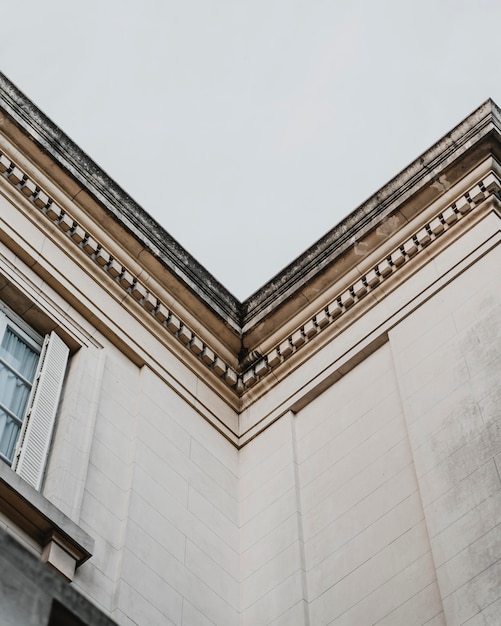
(414, 188)
(38, 128)
(241, 343)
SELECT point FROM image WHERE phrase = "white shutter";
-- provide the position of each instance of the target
(36, 433)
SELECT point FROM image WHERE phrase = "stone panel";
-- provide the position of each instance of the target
(367, 551)
(271, 544)
(450, 392)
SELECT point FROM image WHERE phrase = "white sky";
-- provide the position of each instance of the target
(248, 129)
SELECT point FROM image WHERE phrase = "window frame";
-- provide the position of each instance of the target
(8, 319)
(35, 434)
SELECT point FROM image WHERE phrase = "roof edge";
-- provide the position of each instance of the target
(326, 249)
(198, 280)
(118, 203)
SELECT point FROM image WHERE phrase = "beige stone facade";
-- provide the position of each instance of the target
(325, 453)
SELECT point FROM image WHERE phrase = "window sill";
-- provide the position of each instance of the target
(63, 545)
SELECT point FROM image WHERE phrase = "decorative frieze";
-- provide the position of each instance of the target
(288, 346)
(380, 272)
(116, 270)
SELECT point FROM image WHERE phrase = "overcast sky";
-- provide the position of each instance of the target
(249, 129)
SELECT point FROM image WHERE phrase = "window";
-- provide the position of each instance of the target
(61, 616)
(31, 376)
(19, 355)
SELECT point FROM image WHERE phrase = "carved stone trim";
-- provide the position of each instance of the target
(373, 278)
(241, 381)
(116, 270)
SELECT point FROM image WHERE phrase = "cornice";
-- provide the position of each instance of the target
(471, 141)
(426, 169)
(344, 302)
(384, 271)
(280, 289)
(118, 203)
(115, 269)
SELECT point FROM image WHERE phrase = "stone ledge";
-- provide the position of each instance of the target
(33, 595)
(63, 545)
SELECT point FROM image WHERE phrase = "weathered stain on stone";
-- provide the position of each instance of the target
(377, 213)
